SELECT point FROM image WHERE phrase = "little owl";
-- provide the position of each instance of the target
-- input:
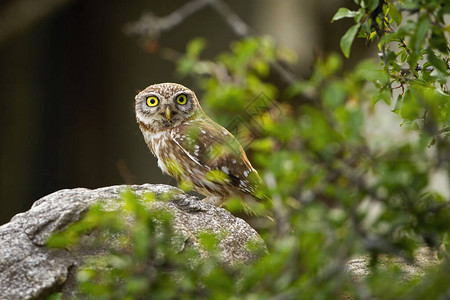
(192, 148)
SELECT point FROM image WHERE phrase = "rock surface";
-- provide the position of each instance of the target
(423, 258)
(29, 270)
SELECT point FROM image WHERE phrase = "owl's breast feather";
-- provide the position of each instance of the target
(157, 142)
(171, 159)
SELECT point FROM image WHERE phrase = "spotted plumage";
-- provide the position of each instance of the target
(191, 147)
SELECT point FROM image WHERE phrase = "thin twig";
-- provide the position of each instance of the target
(402, 41)
(383, 50)
(150, 26)
(241, 29)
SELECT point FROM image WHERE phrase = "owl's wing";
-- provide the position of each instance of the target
(214, 148)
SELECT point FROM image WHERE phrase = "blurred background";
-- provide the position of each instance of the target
(69, 73)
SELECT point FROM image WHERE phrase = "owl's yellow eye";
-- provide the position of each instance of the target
(181, 99)
(152, 101)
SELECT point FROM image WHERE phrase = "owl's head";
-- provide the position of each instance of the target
(164, 105)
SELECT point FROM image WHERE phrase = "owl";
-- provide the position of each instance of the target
(192, 148)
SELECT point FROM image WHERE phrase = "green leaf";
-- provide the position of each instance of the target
(403, 55)
(185, 65)
(261, 67)
(421, 32)
(412, 60)
(347, 39)
(439, 42)
(372, 5)
(344, 12)
(333, 95)
(209, 240)
(398, 103)
(436, 61)
(55, 296)
(395, 14)
(368, 70)
(195, 47)
(387, 38)
(383, 94)
(410, 108)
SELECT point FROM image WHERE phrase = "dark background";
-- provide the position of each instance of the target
(68, 80)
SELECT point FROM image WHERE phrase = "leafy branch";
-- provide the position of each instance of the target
(149, 27)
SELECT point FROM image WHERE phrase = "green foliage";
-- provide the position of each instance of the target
(235, 76)
(339, 190)
(143, 258)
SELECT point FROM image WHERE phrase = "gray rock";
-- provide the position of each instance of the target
(424, 258)
(29, 270)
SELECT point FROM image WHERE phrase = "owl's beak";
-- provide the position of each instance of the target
(168, 114)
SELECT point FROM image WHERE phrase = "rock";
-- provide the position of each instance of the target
(29, 270)
(424, 258)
